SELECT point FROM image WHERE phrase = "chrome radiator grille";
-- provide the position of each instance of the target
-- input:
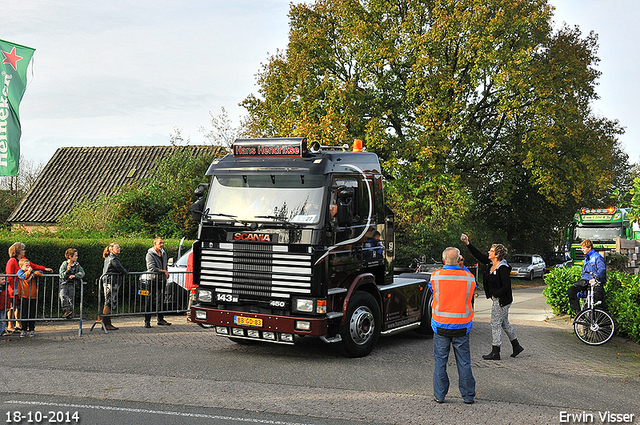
(256, 270)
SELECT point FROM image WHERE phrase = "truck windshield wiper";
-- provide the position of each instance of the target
(231, 216)
(278, 220)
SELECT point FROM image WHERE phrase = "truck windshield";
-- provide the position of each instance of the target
(293, 198)
(597, 234)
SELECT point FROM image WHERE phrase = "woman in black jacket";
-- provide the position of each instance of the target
(112, 277)
(497, 286)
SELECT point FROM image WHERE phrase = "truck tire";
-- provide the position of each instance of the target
(425, 319)
(362, 324)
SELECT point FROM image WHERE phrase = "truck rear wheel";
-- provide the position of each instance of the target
(361, 329)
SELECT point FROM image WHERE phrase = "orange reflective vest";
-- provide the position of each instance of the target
(452, 296)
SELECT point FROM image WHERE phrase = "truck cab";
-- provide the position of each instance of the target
(297, 241)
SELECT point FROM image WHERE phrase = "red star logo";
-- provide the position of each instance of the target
(11, 58)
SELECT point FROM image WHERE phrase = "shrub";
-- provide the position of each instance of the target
(622, 297)
(558, 280)
(623, 302)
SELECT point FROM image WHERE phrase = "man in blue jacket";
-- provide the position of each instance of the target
(593, 265)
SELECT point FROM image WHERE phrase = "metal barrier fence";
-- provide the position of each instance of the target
(141, 294)
(41, 303)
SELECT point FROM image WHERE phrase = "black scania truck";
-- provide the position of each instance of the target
(296, 241)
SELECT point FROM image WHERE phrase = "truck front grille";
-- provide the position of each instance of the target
(256, 270)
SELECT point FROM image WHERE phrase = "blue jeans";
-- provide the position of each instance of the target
(67, 294)
(466, 381)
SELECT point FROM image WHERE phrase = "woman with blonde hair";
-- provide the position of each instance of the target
(112, 277)
(497, 287)
(16, 252)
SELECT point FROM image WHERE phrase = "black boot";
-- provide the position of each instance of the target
(494, 354)
(517, 348)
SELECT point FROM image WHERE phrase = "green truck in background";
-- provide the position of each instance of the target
(602, 226)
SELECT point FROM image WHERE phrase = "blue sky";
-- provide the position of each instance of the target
(128, 72)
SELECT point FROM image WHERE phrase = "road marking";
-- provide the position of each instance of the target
(157, 412)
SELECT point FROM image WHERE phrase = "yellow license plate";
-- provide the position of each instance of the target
(514, 272)
(249, 321)
(143, 292)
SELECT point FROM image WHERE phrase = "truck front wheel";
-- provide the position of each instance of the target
(361, 329)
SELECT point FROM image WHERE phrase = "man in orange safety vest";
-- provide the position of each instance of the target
(451, 320)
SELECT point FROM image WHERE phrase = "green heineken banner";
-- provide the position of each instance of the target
(13, 80)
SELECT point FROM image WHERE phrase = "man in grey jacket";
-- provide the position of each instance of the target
(157, 267)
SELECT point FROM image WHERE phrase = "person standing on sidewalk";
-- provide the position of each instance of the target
(156, 259)
(16, 253)
(451, 320)
(4, 295)
(71, 273)
(112, 277)
(497, 287)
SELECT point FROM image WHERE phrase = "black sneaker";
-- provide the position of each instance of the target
(147, 325)
(163, 323)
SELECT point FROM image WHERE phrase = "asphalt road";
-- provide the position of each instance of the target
(184, 366)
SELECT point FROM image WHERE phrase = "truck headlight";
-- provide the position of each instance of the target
(302, 325)
(303, 305)
(205, 296)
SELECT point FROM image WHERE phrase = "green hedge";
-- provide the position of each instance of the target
(622, 297)
(49, 252)
(623, 302)
(558, 281)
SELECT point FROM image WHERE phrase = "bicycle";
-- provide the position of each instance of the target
(593, 325)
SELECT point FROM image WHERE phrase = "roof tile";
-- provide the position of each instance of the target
(75, 174)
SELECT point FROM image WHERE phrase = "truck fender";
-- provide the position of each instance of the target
(365, 282)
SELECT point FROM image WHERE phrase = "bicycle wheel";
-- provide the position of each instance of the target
(594, 327)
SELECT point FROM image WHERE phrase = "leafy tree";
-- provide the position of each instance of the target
(477, 109)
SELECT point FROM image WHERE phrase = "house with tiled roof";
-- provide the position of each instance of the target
(78, 173)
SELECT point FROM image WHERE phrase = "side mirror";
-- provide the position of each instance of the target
(201, 189)
(196, 210)
(198, 206)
